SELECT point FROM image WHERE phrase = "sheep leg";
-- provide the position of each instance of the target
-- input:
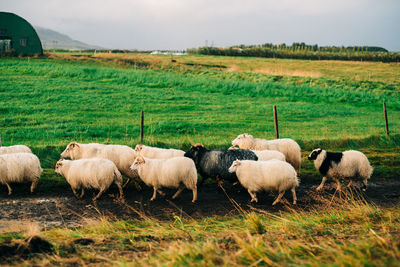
(74, 191)
(350, 183)
(9, 189)
(278, 198)
(82, 193)
(338, 185)
(98, 195)
(33, 185)
(126, 183)
(219, 181)
(154, 194)
(294, 196)
(121, 194)
(137, 185)
(180, 189)
(253, 196)
(364, 186)
(194, 194)
(322, 183)
(161, 192)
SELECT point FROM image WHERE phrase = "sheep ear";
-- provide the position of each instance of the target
(73, 144)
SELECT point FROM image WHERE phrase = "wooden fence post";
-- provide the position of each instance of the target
(386, 118)
(141, 127)
(276, 123)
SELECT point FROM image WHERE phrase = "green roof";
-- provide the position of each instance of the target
(18, 36)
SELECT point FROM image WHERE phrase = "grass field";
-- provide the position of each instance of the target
(47, 102)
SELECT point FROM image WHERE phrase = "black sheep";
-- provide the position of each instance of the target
(215, 163)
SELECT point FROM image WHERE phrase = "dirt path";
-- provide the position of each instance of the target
(63, 209)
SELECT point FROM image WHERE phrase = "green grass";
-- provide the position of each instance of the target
(51, 102)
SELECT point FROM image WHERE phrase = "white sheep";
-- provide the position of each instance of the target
(121, 155)
(266, 154)
(270, 175)
(178, 172)
(348, 165)
(14, 149)
(97, 173)
(287, 146)
(158, 153)
(18, 168)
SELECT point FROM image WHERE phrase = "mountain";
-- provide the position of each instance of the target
(51, 39)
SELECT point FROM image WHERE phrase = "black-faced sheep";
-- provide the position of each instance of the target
(177, 172)
(158, 153)
(97, 173)
(270, 175)
(215, 163)
(287, 146)
(18, 168)
(121, 155)
(347, 165)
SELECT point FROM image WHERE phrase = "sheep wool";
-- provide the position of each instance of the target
(287, 146)
(121, 155)
(18, 168)
(14, 149)
(178, 172)
(97, 173)
(348, 165)
(158, 153)
(270, 175)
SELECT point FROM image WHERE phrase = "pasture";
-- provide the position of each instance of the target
(47, 102)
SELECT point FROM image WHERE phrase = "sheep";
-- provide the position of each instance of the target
(266, 154)
(347, 165)
(287, 146)
(19, 167)
(98, 173)
(178, 172)
(215, 163)
(158, 153)
(121, 155)
(14, 149)
(272, 174)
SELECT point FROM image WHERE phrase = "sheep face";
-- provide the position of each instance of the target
(234, 166)
(194, 151)
(59, 166)
(138, 148)
(314, 154)
(136, 164)
(243, 140)
(71, 150)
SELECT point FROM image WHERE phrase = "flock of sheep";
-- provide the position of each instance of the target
(258, 165)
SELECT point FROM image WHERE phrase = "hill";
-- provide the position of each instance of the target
(54, 40)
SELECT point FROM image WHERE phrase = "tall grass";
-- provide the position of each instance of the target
(350, 232)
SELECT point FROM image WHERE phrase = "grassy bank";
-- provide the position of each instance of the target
(347, 233)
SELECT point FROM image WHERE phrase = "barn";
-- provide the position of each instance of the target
(17, 36)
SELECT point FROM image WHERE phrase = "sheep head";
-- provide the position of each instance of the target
(70, 151)
(193, 152)
(243, 141)
(234, 166)
(314, 154)
(138, 161)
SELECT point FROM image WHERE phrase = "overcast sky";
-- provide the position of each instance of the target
(181, 24)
